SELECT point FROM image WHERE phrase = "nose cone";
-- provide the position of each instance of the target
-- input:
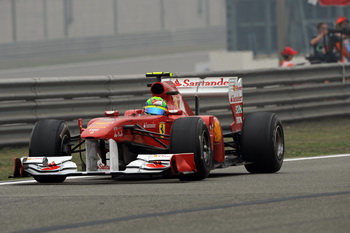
(104, 128)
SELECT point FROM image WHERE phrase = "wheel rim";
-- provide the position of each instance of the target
(65, 148)
(206, 152)
(279, 142)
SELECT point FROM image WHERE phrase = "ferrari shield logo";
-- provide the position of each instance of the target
(162, 128)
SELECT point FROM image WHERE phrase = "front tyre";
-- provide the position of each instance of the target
(50, 178)
(262, 142)
(191, 135)
(50, 138)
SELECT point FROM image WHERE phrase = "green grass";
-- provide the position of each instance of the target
(8, 154)
(6, 162)
(317, 137)
(308, 138)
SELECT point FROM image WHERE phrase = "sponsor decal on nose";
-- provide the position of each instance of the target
(155, 165)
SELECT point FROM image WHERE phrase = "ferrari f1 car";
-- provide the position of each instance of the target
(179, 143)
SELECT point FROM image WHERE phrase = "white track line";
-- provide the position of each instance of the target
(286, 160)
(317, 157)
(33, 181)
(18, 182)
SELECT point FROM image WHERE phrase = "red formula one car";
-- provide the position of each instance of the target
(178, 142)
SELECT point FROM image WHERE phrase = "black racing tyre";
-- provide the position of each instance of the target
(49, 138)
(188, 135)
(262, 142)
(50, 178)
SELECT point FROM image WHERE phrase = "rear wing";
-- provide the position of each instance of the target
(215, 87)
(203, 87)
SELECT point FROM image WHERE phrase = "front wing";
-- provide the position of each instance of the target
(144, 164)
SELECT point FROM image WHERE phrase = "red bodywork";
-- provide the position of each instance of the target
(137, 143)
(115, 127)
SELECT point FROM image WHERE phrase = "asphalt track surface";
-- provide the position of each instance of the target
(307, 195)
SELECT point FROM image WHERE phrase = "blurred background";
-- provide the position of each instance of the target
(46, 32)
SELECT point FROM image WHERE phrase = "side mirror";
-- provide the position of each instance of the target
(174, 112)
(112, 113)
(172, 93)
(133, 113)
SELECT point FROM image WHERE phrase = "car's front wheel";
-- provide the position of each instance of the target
(188, 135)
(50, 138)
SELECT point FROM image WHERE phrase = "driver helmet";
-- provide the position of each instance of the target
(155, 106)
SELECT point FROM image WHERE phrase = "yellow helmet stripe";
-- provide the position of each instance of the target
(155, 106)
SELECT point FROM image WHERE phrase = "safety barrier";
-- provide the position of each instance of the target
(298, 93)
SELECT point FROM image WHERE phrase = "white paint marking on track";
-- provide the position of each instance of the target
(18, 182)
(34, 181)
(317, 157)
(286, 160)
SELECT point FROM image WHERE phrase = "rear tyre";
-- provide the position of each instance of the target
(262, 142)
(191, 135)
(50, 138)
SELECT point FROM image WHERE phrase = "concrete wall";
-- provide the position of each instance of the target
(5, 21)
(32, 20)
(37, 32)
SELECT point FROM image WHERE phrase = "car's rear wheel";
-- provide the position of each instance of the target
(50, 138)
(262, 142)
(191, 135)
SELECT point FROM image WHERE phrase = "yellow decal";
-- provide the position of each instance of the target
(217, 131)
(97, 127)
(176, 101)
(150, 74)
(102, 123)
(162, 128)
